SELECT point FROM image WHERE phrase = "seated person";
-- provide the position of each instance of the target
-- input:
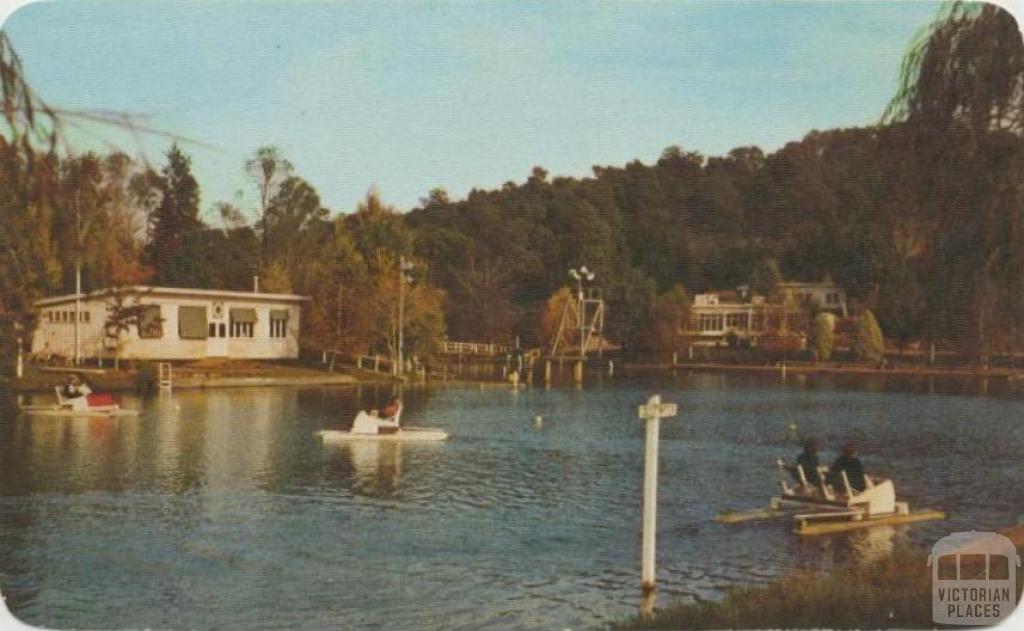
(75, 388)
(851, 464)
(808, 461)
(392, 408)
(388, 416)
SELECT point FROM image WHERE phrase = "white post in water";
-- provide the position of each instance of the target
(652, 412)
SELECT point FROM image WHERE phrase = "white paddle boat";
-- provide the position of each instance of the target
(818, 509)
(368, 426)
(81, 406)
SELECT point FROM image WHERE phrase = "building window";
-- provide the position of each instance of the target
(278, 323)
(710, 322)
(736, 320)
(192, 323)
(242, 329)
(243, 322)
(151, 325)
(85, 317)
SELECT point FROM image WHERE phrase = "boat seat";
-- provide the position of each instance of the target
(366, 423)
(75, 403)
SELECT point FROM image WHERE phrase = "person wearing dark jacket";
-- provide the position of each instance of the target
(808, 461)
(851, 464)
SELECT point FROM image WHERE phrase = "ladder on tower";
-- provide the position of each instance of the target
(581, 327)
(166, 376)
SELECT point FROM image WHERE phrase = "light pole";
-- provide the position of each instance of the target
(583, 274)
(404, 267)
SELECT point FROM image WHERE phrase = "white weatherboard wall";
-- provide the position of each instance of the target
(55, 332)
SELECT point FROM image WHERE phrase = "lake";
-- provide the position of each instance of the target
(220, 509)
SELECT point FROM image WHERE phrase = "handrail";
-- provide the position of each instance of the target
(474, 348)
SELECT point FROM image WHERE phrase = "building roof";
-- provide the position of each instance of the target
(173, 291)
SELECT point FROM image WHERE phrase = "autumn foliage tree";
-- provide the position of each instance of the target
(667, 321)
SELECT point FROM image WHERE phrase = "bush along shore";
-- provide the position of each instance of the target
(889, 593)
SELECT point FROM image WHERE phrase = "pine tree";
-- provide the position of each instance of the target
(175, 217)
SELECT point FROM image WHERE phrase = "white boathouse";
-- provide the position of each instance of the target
(173, 324)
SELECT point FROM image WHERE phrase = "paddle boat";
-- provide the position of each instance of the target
(87, 404)
(820, 509)
(369, 426)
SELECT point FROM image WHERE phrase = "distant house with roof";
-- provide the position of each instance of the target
(717, 315)
(823, 296)
(170, 324)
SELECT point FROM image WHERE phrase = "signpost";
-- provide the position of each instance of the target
(652, 412)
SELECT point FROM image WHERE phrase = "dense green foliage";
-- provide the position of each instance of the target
(920, 219)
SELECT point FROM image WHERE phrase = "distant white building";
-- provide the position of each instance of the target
(717, 314)
(826, 295)
(175, 324)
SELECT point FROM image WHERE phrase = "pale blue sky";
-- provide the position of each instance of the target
(415, 95)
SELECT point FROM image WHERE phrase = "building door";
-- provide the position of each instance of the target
(217, 339)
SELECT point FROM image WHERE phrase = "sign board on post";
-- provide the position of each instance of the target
(652, 412)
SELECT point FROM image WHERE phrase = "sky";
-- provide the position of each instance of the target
(409, 96)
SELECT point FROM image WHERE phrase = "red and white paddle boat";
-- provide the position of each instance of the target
(88, 403)
(821, 509)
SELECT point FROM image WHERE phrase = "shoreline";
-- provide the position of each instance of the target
(1007, 374)
(41, 380)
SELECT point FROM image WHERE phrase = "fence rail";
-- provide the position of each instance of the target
(477, 349)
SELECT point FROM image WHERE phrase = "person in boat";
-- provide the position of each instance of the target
(808, 461)
(75, 388)
(854, 468)
(391, 409)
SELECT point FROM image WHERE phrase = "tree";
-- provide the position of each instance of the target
(869, 345)
(551, 316)
(176, 216)
(967, 71)
(423, 318)
(122, 316)
(268, 169)
(667, 320)
(822, 336)
(292, 211)
(481, 294)
(28, 174)
(765, 278)
(276, 279)
(377, 229)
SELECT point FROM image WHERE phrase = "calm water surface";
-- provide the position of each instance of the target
(220, 509)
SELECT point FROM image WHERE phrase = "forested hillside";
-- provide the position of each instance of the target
(920, 218)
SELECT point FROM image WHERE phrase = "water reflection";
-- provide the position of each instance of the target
(222, 508)
(370, 468)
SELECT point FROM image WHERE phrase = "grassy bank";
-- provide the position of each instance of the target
(894, 592)
(890, 593)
